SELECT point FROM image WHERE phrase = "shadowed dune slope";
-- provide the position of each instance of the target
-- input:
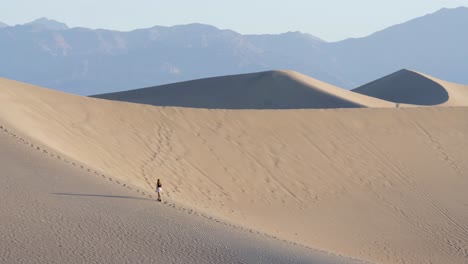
(386, 185)
(264, 90)
(411, 87)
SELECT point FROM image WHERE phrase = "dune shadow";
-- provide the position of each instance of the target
(407, 87)
(265, 90)
(103, 196)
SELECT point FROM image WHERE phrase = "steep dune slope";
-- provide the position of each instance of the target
(55, 212)
(411, 87)
(264, 90)
(386, 185)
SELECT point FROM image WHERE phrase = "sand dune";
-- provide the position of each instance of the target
(411, 87)
(55, 212)
(264, 90)
(386, 185)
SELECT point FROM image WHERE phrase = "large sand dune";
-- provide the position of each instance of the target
(56, 212)
(384, 185)
(411, 87)
(264, 90)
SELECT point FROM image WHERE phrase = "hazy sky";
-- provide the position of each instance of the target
(330, 20)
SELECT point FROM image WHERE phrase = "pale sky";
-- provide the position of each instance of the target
(330, 20)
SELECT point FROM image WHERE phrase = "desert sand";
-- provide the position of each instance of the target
(381, 184)
(56, 212)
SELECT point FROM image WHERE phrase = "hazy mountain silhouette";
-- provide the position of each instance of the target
(48, 24)
(2, 25)
(87, 61)
(434, 44)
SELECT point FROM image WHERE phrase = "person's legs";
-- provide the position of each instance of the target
(158, 190)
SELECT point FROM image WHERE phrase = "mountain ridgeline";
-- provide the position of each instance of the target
(87, 61)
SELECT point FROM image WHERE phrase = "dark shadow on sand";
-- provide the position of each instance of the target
(104, 196)
(406, 87)
(263, 90)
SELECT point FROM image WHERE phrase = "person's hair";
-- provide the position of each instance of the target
(159, 183)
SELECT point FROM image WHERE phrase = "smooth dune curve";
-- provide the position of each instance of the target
(55, 212)
(411, 87)
(384, 185)
(263, 90)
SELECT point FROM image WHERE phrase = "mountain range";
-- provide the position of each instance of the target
(92, 61)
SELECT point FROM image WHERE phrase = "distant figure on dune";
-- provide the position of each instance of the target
(159, 189)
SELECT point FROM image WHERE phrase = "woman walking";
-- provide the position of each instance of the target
(159, 189)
